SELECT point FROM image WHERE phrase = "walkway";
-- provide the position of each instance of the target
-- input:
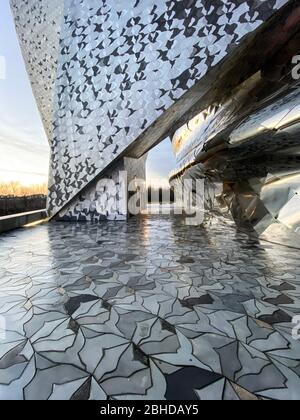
(150, 309)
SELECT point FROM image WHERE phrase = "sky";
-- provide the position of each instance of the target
(24, 149)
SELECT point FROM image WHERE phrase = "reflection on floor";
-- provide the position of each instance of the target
(150, 309)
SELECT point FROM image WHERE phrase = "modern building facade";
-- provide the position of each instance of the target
(113, 79)
(155, 309)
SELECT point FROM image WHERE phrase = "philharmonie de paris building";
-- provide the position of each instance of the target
(101, 303)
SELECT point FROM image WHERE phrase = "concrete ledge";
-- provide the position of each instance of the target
(11, 205)
(19, 220)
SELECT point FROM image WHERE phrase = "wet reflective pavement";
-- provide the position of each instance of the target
(149, 309)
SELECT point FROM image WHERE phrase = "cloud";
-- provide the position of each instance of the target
(161, 161)
(25, 160)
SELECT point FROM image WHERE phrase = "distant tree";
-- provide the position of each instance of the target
(16, 189)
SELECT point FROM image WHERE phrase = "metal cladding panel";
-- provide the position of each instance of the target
(38, 24)
(257, 167)
(121, 65)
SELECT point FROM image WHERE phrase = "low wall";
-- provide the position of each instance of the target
(15, 205)
(8, 223)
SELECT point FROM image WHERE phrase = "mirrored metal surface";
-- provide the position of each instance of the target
(249, 144)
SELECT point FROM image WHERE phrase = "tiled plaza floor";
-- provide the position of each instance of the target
(149, 309)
